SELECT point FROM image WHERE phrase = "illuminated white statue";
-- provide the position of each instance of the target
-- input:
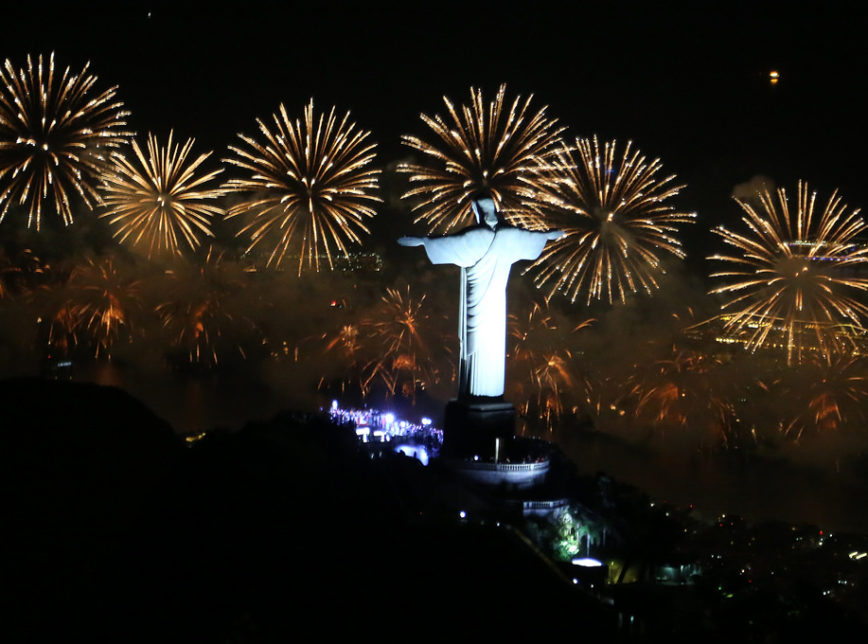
(485, 252)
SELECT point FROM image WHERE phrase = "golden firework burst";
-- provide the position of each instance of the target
(791, 281)
(618, 219)
(489, 148)
(311, 186)
(159, 202)
(403, 332)
(56, 133)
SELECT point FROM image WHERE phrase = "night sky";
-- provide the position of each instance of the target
(688, 84)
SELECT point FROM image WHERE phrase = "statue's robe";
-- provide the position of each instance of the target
(485, 257)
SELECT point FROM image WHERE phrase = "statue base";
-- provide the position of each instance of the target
(472, 425)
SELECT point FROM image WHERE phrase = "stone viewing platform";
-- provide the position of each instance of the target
(512, 475)
(513, 463)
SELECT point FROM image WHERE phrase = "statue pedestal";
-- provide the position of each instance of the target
(471, 426)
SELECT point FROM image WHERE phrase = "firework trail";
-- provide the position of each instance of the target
(540, 352)
(202, 312)
(99, 302)
(17, 271)
(820, 396)
(401, 329)
(682, 391)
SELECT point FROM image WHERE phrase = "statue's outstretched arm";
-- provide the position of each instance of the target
(411, 241)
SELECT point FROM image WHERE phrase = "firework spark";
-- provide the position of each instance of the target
(346, 342)
(99, 304)
(16, 272)
(837, 395)
(401, 331)
(791, 276)
(313, 186)
(617, 219)
(481, 148)
(55, 136)
(682, 391)
(349, 345)
(540, 351)
(824, 394)
(160, 202)
(202, 312)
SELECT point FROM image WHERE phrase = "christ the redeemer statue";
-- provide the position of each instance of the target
(485, 252)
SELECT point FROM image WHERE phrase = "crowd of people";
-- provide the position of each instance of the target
(372, 425)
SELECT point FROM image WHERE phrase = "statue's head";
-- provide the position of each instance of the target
(483, 208)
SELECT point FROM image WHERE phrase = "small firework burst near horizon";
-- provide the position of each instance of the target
(56, 134)
(311, 185)
(491, 148)
(97, 305)
(541, 354)
(618, 219)
(792, 280)
(401, 328)
(158, 202)
(202, 312)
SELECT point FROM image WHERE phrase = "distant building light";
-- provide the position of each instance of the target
(774, 77)
(334, 404)
(425, 422)
(389, 418)
(462, 514)
(587, 562)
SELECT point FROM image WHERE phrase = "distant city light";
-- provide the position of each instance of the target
(193, 438)
(334, 405)
(426, 421)
(462, 514)
(774, 77)
(389, 418)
